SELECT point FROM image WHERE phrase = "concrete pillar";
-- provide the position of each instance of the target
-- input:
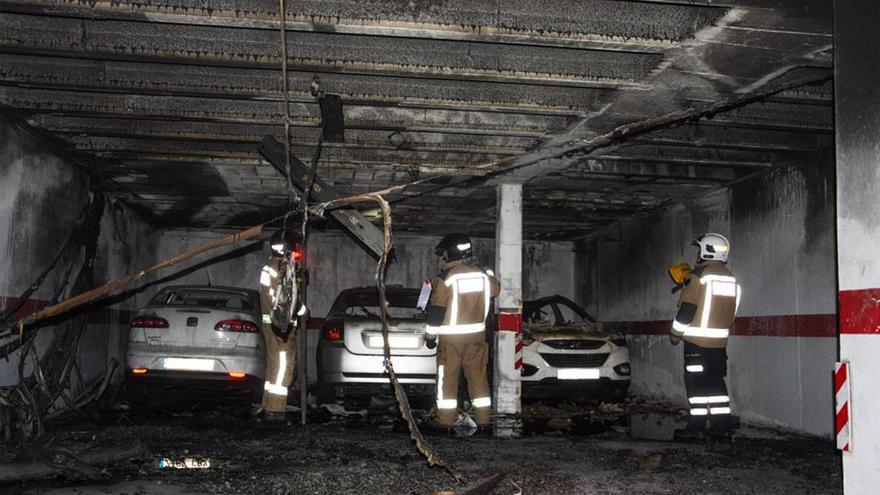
(508, 339)
(857, 114)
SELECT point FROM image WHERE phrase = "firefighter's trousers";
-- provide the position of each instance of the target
(472, 356)
(704, 372)
(280, 362)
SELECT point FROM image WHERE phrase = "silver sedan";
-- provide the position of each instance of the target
(197, 338)
(350, 352)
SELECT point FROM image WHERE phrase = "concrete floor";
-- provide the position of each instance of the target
(375, 456)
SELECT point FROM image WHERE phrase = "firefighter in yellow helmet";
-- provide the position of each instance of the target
(707, 308)
(456, 317)
(280, 308)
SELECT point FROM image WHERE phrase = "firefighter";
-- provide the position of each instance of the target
(279, 307)
(456, 325)
(707, 307)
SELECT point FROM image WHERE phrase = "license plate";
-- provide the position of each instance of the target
(577, 374)
(396, 341)
(189, 364)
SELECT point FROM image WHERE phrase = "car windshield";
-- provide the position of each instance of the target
(203, 298)
(401, 304)
(557, 315)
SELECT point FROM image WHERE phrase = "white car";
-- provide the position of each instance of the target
(350, 351)
(566, 351)
(197, 338)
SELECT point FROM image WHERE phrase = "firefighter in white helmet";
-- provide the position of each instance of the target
(280, 308)
(456, 317)
(707, 307)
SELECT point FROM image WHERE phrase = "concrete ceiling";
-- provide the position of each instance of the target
(167, 99)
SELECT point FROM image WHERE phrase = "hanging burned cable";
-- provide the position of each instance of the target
(422, 445)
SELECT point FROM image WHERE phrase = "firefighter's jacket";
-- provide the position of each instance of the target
(707, 305)
(459, 303)
(275, 312)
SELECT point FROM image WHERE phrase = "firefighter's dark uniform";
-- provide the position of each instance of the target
(280, 352)
(707, 309)
(457, 312)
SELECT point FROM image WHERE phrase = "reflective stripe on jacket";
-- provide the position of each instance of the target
(463, 293)
(716, 294)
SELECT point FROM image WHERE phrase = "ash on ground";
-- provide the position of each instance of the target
(565, 449)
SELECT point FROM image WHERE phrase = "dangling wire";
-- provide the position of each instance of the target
(285, 95)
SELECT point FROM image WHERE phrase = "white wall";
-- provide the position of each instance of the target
(41, 196)
(783, 346)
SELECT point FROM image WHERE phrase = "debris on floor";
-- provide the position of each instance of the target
(353, 454)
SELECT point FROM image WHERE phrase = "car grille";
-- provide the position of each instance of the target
(588, 345)
(575, 360)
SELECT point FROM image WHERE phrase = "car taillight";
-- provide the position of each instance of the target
(149, 322)
(138, 371)
(236, 326)
(333, 330)
(237, 374)
(297, 255)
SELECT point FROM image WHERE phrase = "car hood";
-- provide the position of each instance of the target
(585, 330)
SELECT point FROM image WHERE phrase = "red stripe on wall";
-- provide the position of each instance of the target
(859, 311)
(30, 306)
(751, 326)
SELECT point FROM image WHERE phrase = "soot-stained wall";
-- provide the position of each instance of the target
(781, 227)
(41, 197)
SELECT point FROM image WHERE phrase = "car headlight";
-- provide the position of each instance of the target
(526, 340)
(619, 340)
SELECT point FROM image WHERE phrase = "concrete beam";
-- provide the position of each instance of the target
(596, 169)
(322, 52)
(690, 155)
(732, 138)
(623, 26)
(269, 112)
(145, 78)
(252, 133)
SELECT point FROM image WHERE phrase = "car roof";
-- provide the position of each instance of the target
(372, 289)
(556, 298)
(217, 288)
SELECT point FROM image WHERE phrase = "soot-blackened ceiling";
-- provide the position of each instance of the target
(167, 100)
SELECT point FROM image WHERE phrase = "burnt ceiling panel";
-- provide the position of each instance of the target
(167, 100)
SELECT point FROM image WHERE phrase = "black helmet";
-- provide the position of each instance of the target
(456, 246)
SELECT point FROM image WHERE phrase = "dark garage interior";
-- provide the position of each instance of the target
(179, 176)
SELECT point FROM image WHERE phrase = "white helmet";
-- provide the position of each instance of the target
(713, 247)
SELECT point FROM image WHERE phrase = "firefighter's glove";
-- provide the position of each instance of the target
(679, 272)
(431, 343)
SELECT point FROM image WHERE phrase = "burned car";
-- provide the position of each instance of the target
(566, 351)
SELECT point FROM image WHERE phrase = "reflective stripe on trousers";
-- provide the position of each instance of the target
(278, 387)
